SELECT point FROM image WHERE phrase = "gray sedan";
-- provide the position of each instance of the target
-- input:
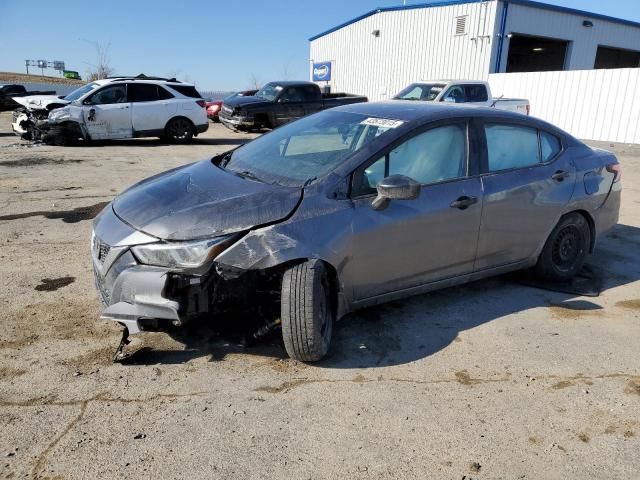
(348, 208)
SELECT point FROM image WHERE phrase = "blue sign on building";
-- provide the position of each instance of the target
(322, 72)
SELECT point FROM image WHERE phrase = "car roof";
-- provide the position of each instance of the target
(291, 82)
(420, 112)
(142, 80)
(409, 111)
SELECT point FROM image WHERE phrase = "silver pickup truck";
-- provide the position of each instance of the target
(461, 91)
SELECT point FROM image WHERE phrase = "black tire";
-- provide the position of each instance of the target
(179, 130)
(566, 249)
(66, 134)
(307, 311)
(56, 135)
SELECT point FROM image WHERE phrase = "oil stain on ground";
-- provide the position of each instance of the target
(35, 161)
(630, 304)
(67, 216)
(632, 388)
(52, 284)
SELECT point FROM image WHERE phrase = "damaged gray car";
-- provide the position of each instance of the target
(349, 208)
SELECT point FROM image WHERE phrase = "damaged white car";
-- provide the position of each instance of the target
(114, 108)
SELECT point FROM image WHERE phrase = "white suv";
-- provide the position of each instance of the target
(116, 108)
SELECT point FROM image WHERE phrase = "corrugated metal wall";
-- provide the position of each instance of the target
(589, 104)
(564, 26)
(413, 45)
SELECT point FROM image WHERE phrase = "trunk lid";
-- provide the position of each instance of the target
(202, 200)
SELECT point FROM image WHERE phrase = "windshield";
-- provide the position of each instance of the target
(421, 91)
(307, 149)
(269, 92)
(79, 92)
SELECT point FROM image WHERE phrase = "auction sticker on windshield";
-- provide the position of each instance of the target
(382, 122)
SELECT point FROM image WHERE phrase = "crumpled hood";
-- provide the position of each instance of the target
(202, 200)
(39, 102)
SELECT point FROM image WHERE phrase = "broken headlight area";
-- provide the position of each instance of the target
(193, 255)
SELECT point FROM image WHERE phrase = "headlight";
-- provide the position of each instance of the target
(182, 254)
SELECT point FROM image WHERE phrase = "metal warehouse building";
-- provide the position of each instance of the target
(380, 52)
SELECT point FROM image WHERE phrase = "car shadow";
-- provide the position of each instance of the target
(408, 330)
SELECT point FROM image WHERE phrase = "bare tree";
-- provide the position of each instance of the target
(102, 68)
(254, 82)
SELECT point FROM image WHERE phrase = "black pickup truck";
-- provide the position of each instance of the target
(9, 91)
(278, 103)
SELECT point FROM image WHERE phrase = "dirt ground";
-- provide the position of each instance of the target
(492, 380)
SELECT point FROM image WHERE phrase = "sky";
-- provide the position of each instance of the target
(218, 44)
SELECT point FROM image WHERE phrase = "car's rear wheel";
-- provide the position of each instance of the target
(307, 311)
(566, 249)
(179, 130)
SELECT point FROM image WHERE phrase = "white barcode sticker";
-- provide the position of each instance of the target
(382, 122)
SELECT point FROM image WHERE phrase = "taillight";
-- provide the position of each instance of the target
(201, 103)
(616, 169)
(528, 109)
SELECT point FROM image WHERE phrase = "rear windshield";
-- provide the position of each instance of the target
(186, 90)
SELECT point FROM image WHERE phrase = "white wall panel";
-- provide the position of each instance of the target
(589, 104)
(415, 44)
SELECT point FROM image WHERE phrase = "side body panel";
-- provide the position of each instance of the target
(412, 242)
(521, 207)
(110, 121)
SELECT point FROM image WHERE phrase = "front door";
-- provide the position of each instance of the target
(291, 105)
(107, 113)
(527, 185)
(414, 242)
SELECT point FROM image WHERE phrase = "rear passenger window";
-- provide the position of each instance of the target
(476, 93)
(550, 146)
(511, 146)
(163, 94)
(143, 92)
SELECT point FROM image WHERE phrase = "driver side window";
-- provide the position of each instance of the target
(455, 94)
(109, 95)
(437, 155)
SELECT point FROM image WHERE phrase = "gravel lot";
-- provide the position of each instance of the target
(492, 380)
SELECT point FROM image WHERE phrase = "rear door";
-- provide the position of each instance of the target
(414, 242)
(472, 93)
(107, 113)
(527, 183)
(152, 107)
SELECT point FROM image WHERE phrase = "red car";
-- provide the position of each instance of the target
(214, 106)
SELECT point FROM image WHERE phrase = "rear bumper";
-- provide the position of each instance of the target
(606, 217)
(202, 128)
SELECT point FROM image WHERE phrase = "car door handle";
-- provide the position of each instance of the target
(559, 176)
(464, 202)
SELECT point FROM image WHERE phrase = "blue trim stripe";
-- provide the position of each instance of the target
(503, 26)
(445, 3)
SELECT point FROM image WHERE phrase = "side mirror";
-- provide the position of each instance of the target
(395, 187)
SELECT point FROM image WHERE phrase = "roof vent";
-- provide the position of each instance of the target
(461, 25)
